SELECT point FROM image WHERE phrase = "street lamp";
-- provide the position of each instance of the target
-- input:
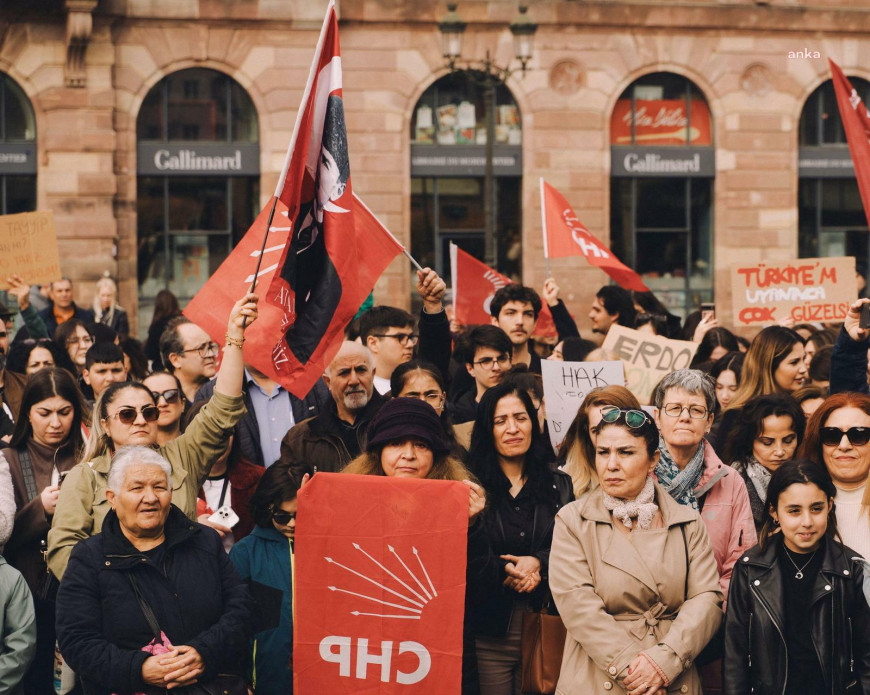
(523, 30)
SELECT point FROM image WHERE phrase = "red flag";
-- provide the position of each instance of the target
(379, 585)
(474, 284)
(856, 123)
(211, 306)
(565, 235)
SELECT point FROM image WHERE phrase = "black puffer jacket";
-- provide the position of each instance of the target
(196, 594)
(756, 656)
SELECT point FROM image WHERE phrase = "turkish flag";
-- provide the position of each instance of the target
(565, 235)
(856, 123)
(379, 585)
(210, 308)
(474, 284)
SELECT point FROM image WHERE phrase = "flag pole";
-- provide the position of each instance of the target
(544, 229)
(396, 241)
(263, 247)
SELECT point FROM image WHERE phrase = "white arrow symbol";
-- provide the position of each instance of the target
(381, 615)
(376, 600)
(423, 567)
(356, 545)
(408, 570)
(372, 581)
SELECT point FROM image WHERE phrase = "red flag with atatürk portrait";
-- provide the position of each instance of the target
(856, 123)
(379, 585)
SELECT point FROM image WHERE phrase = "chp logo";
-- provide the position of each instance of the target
(380, 585)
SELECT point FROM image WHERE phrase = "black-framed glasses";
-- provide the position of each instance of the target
(832, 436)
(205, 350)
(128, 414)
(633, 418)
(169, 395)
(696, 412)
(283, 518)
(403, 338)
(490, 362)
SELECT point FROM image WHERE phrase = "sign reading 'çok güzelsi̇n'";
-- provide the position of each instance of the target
(647, 358)
(804, 289)
(28, 247)
(380, 585)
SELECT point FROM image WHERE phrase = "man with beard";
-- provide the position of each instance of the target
(514, 309)
(189, 353)
(330, 440)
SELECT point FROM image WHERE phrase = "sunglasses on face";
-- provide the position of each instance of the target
(283, 518)
(857, 436)
(633, 418)
(128, 414)
(170, 395)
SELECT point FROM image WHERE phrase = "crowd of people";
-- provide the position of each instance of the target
(708, 541)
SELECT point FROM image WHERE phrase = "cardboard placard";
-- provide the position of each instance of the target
(804, 289)
(647, 358)
(28, 247)
(565, 387)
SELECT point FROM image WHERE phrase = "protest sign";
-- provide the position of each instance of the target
(647, 357)
(565, 387)
(379, 585)
(805, 289)
(28, 247)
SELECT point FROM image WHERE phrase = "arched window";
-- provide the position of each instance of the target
(198, 180)
(831, 220)
(448, 161)
(17, 149)
(662, 169)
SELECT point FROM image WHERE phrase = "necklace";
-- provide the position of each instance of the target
(800, 570)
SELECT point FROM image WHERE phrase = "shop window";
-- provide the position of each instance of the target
(17, 149)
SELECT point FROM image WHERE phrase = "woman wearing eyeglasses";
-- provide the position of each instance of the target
(126, 414)
(73, 336)
(167, 393)
(632, 573)
(838, 436)
(509, 552)
(265, 560)
(693, 474)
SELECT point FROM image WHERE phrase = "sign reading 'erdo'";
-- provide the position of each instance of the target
(380, 585)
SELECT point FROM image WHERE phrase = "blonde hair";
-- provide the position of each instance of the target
(98, 439)
(444, 467)
(98, 308)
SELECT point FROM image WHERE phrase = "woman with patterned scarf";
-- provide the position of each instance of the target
(768, 432)
(689, 469)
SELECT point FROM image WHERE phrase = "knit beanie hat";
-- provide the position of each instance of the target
(408, 418)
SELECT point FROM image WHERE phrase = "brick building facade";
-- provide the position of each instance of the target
(769, 181)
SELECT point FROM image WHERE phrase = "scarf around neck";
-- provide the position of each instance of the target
(680, 484)
(759, 476)
(641, 507)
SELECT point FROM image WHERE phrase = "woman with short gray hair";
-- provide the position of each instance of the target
(689, 469)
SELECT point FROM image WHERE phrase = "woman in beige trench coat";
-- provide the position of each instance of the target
(632, 573)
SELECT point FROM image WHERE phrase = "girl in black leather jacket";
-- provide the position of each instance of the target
(797, 619)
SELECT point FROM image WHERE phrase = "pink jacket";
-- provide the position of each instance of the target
(726, 514)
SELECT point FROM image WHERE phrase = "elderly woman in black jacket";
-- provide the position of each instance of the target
(509, 546)
(151, 557)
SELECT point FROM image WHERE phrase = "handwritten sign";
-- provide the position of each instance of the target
(805, 289)
(28, 247)
(647, 358)
(565, 387)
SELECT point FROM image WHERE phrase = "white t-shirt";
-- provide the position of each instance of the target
(381, 384)
(853, 521)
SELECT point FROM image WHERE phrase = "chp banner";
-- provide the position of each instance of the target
(804, 289)
(856, 123)
(379, 585)
(28, 247)
(565, 387)
(565, 235)
(647, 358)
(474, 284)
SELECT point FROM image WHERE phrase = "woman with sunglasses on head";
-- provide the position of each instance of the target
(265, 560)
(632, 573)
(170, 401)
(838, 436)
(509, 552)
(126, 414)
(45, 445)
(798, 620)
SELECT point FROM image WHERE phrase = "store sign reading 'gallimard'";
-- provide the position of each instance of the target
(195, 159)
(662, 161)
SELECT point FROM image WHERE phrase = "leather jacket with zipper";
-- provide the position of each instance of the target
(756, 655)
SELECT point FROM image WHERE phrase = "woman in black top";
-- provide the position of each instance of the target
(797, 615)
(509, 547)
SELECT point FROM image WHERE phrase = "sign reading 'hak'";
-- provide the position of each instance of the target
(380, 585)
(805, 289)
(28, 247)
